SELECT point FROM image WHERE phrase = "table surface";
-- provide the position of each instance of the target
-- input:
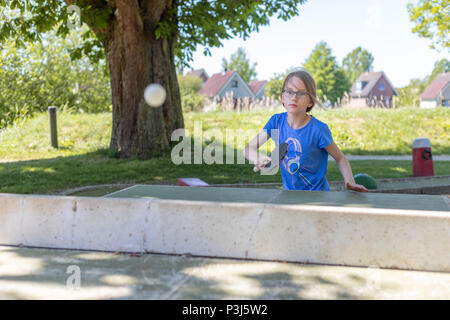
(286, 197)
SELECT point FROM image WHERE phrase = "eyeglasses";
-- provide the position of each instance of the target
(298, 94)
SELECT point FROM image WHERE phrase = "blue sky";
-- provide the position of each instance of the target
(380, 26)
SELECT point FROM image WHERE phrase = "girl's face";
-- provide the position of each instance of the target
(296, 100)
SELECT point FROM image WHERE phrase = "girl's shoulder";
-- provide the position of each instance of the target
(279, 115)
(317, 122)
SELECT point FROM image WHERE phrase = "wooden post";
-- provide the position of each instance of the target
(53, 128)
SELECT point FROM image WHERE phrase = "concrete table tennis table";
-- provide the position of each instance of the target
(397, 231)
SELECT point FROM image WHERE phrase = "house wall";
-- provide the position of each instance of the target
(428, 104)
(242, 90)
(443, 99)
(261, 92)
(387, 92)
(446, 96)
(446, 92)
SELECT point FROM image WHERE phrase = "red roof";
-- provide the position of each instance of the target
(436, 86)
(255, 85)
(213, 85)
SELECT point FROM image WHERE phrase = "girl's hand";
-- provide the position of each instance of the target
(356, 187)
(261, 163)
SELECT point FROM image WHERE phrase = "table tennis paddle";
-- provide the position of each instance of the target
(277, 155)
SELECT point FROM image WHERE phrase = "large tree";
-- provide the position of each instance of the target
(330, 79)
(432, 21)
(241, 63)
(359, 60)
(141, 40)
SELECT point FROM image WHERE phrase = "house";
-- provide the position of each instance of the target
(372, 89)
(258, 88)
(223, 84)
(437, 93)
(201, 73)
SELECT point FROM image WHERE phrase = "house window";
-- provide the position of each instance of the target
(234, 84)
(381, 86)
(360, 85)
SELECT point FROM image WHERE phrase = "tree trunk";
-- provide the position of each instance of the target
(136, 59)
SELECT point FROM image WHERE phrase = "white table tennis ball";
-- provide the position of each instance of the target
(155, 95)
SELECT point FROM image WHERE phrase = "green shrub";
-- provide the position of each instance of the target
(191, 100)
(42, 75)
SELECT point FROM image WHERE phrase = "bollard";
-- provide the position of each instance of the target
(53, 128)
(422, 159)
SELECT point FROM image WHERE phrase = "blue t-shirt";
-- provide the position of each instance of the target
(305, 165)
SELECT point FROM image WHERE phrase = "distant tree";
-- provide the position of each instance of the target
(40, 75)
(274, 86)
(432, 20)
(440, 66)
(356, 62)
(331, 80)
(410, 94)
(191, 100)
(241, 63)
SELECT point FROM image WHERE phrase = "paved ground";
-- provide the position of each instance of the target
(31, 273)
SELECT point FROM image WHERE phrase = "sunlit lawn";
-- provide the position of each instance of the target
(29, 165)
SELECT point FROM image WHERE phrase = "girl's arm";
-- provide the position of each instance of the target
(344, 168)
(251, 150)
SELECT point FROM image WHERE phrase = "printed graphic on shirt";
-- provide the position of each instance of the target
(292, 162)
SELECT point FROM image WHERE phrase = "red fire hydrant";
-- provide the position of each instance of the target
(422, 159)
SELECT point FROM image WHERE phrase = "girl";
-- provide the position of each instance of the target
(310, 140)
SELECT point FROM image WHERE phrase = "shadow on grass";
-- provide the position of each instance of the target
(48, 176)
(55, 175)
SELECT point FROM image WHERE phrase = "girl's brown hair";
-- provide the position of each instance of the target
(309, 82)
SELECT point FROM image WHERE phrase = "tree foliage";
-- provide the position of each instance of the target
(191, 99)
(196, 22)
(356, 62)
(330, 79)
(410, 94)
(432, 21)
(40, 75)
(274, 86)
(440, 66)
(27, 21)
(241, 63)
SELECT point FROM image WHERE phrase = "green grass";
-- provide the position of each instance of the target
(55, 175)
(29, 165)
(77, 134)
(355, 131)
